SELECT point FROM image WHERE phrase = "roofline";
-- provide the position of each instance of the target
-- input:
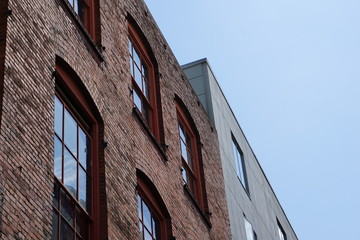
(205, 60)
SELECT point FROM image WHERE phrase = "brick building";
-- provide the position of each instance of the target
(102, 136)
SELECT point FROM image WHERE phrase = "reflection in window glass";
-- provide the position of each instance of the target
(250, 234)
(72, 162)
(70, 132)
(148, 223)
(282, 235)
(240, 165)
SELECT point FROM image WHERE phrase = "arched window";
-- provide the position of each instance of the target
(76, 206)
(154, 219)
(144, 83)
(189, 144)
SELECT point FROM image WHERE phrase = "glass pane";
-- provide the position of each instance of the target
(130, 47)
(138, 77)
(189, 159)
(184, 175)
(139, 207)
(84, 150)
(146, 90)
(58, 117)
(181, 130)
(55, 225)
(76, 8)
(147, 216)
(71, 2)
(82, 224)
(137, 58)
(67, 208)
(67, 233)
(70, 177)
(70, 132)
(56, 196)
(147, 235)
(137, 101)
(248, 230)
(183, 151)
(57, 158)
(141, 231)
(81, 10)
(157, 230)
(84, 189)
(153, 226)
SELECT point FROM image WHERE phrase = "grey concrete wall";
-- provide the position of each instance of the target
(260, 206)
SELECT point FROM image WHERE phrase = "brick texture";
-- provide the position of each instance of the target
(37, 33)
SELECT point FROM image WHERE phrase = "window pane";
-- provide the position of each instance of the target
(146, 89)
(138, 77)
(81, 10)
(189, 159)
(184, 175)
(84, 190)
(57, 158)
(82, 224)
(76, 8)
(67, 208)
(66, 232)
(137, 101)
(181, 130)
(249, 230)
(84, 150)
(130, 47)
(55, 225)
(70, 132)
(56, 195)
(147, 235)
(139, 207)
(71, 2)
(58, 116)
(137, 58)
(183, 151)
(147, 216)
(157, 234)
(70, 177)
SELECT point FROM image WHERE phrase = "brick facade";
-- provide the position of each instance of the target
(39, 35)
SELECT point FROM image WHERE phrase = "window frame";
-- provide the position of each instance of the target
(238, 155)
(91, 21)
(147, 197)
(79, 107)
(197, 193)
(149, 194)
(152, 102)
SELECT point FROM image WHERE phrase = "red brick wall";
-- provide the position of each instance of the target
(37, 32)
(3, 24)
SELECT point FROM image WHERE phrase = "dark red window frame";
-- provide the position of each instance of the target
(77, 104)
(148, 95)
(196, 183)
(150, 196)
(88, 14)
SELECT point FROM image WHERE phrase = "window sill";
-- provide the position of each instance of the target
(89, 41)
(147, 129)
(204, 216)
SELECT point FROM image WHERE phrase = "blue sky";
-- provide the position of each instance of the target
(291, 72)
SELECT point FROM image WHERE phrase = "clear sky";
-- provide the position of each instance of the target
(290, 70)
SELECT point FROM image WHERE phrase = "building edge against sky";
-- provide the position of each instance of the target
(254, 210)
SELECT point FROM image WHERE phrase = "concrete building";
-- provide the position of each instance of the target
(254, 210)
(101, 135)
